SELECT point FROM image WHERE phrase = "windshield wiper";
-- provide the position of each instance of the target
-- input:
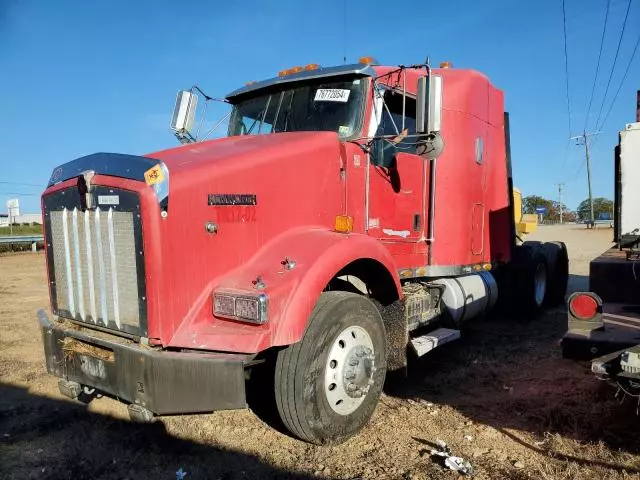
(264, 114)
(287, 115)
(275, 120)
(261, 116)
(254, 123)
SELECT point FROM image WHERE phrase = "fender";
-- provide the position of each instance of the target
(318, 254)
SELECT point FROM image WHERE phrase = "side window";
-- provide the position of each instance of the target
(392, 124)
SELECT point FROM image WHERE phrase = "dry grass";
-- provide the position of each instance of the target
(22, 230)
(529, 413)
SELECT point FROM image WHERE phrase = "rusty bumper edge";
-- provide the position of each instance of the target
(164, 382)
(588, 345)
(43, 319)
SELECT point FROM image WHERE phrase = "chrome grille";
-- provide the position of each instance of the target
(95, 269)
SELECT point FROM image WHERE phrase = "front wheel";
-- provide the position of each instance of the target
(328, 384)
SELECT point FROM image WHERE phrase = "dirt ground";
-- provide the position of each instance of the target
(501, 397)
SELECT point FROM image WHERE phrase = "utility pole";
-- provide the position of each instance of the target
(585, 138)
(560, 185)
(10, 220)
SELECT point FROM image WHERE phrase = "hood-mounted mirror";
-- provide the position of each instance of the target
(183, 116)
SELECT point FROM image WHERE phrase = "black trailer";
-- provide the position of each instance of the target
(604, 322)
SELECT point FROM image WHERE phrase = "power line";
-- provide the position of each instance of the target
(566, 156)
(21, 184)
(624, 77)
(593, 89)
(615, 59)
(19, 193)
(566, 62)
(578, 172)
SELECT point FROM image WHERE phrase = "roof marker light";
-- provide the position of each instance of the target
(290, 71)
(368, 61)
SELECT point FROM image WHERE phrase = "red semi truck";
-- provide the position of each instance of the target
(353, 216)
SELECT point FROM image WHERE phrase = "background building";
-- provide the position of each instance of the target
(24, 218)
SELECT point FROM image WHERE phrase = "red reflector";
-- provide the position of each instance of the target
(584, 306)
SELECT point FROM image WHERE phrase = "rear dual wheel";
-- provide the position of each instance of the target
(529, 280)
(328, 384)
(540, 276)
(558, 259)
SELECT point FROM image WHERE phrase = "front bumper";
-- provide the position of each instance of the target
(163, 382)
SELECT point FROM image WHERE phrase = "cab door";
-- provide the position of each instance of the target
(396, 194)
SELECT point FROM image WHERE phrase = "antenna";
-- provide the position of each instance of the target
(344, 32)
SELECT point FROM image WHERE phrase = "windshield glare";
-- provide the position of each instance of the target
(334, 106)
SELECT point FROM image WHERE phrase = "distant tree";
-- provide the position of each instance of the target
(531, 202)
(569, 216)
(600, 205)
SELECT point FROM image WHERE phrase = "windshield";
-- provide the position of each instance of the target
(319, 105)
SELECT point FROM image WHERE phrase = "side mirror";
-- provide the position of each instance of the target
(429, 104)
(183, 115)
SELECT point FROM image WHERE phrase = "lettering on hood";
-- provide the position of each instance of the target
(231, 199)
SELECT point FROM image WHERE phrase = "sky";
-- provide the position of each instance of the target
(80, 77)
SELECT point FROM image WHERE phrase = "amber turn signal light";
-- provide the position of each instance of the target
(344, 224)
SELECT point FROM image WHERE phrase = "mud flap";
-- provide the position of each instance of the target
(397, 331)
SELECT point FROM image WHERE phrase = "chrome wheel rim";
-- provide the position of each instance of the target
(540, 279)
(349, 370)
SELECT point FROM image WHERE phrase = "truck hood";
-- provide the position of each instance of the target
(253, 189)
(229, 149)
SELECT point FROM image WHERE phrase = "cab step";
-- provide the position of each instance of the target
(436, 338)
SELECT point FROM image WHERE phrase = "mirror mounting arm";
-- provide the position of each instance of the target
(185, 137)
(207, 97)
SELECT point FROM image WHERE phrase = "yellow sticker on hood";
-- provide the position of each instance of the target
(154, 175)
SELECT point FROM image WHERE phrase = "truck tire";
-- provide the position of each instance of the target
(558, 262)
(328, 384)
(530, 280)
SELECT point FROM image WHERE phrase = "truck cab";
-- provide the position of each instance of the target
(352, 217)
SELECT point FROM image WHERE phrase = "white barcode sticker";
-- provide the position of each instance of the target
(332, 95)
(108, 199)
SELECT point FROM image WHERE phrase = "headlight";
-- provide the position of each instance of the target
(224, 305)
(241, 307)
